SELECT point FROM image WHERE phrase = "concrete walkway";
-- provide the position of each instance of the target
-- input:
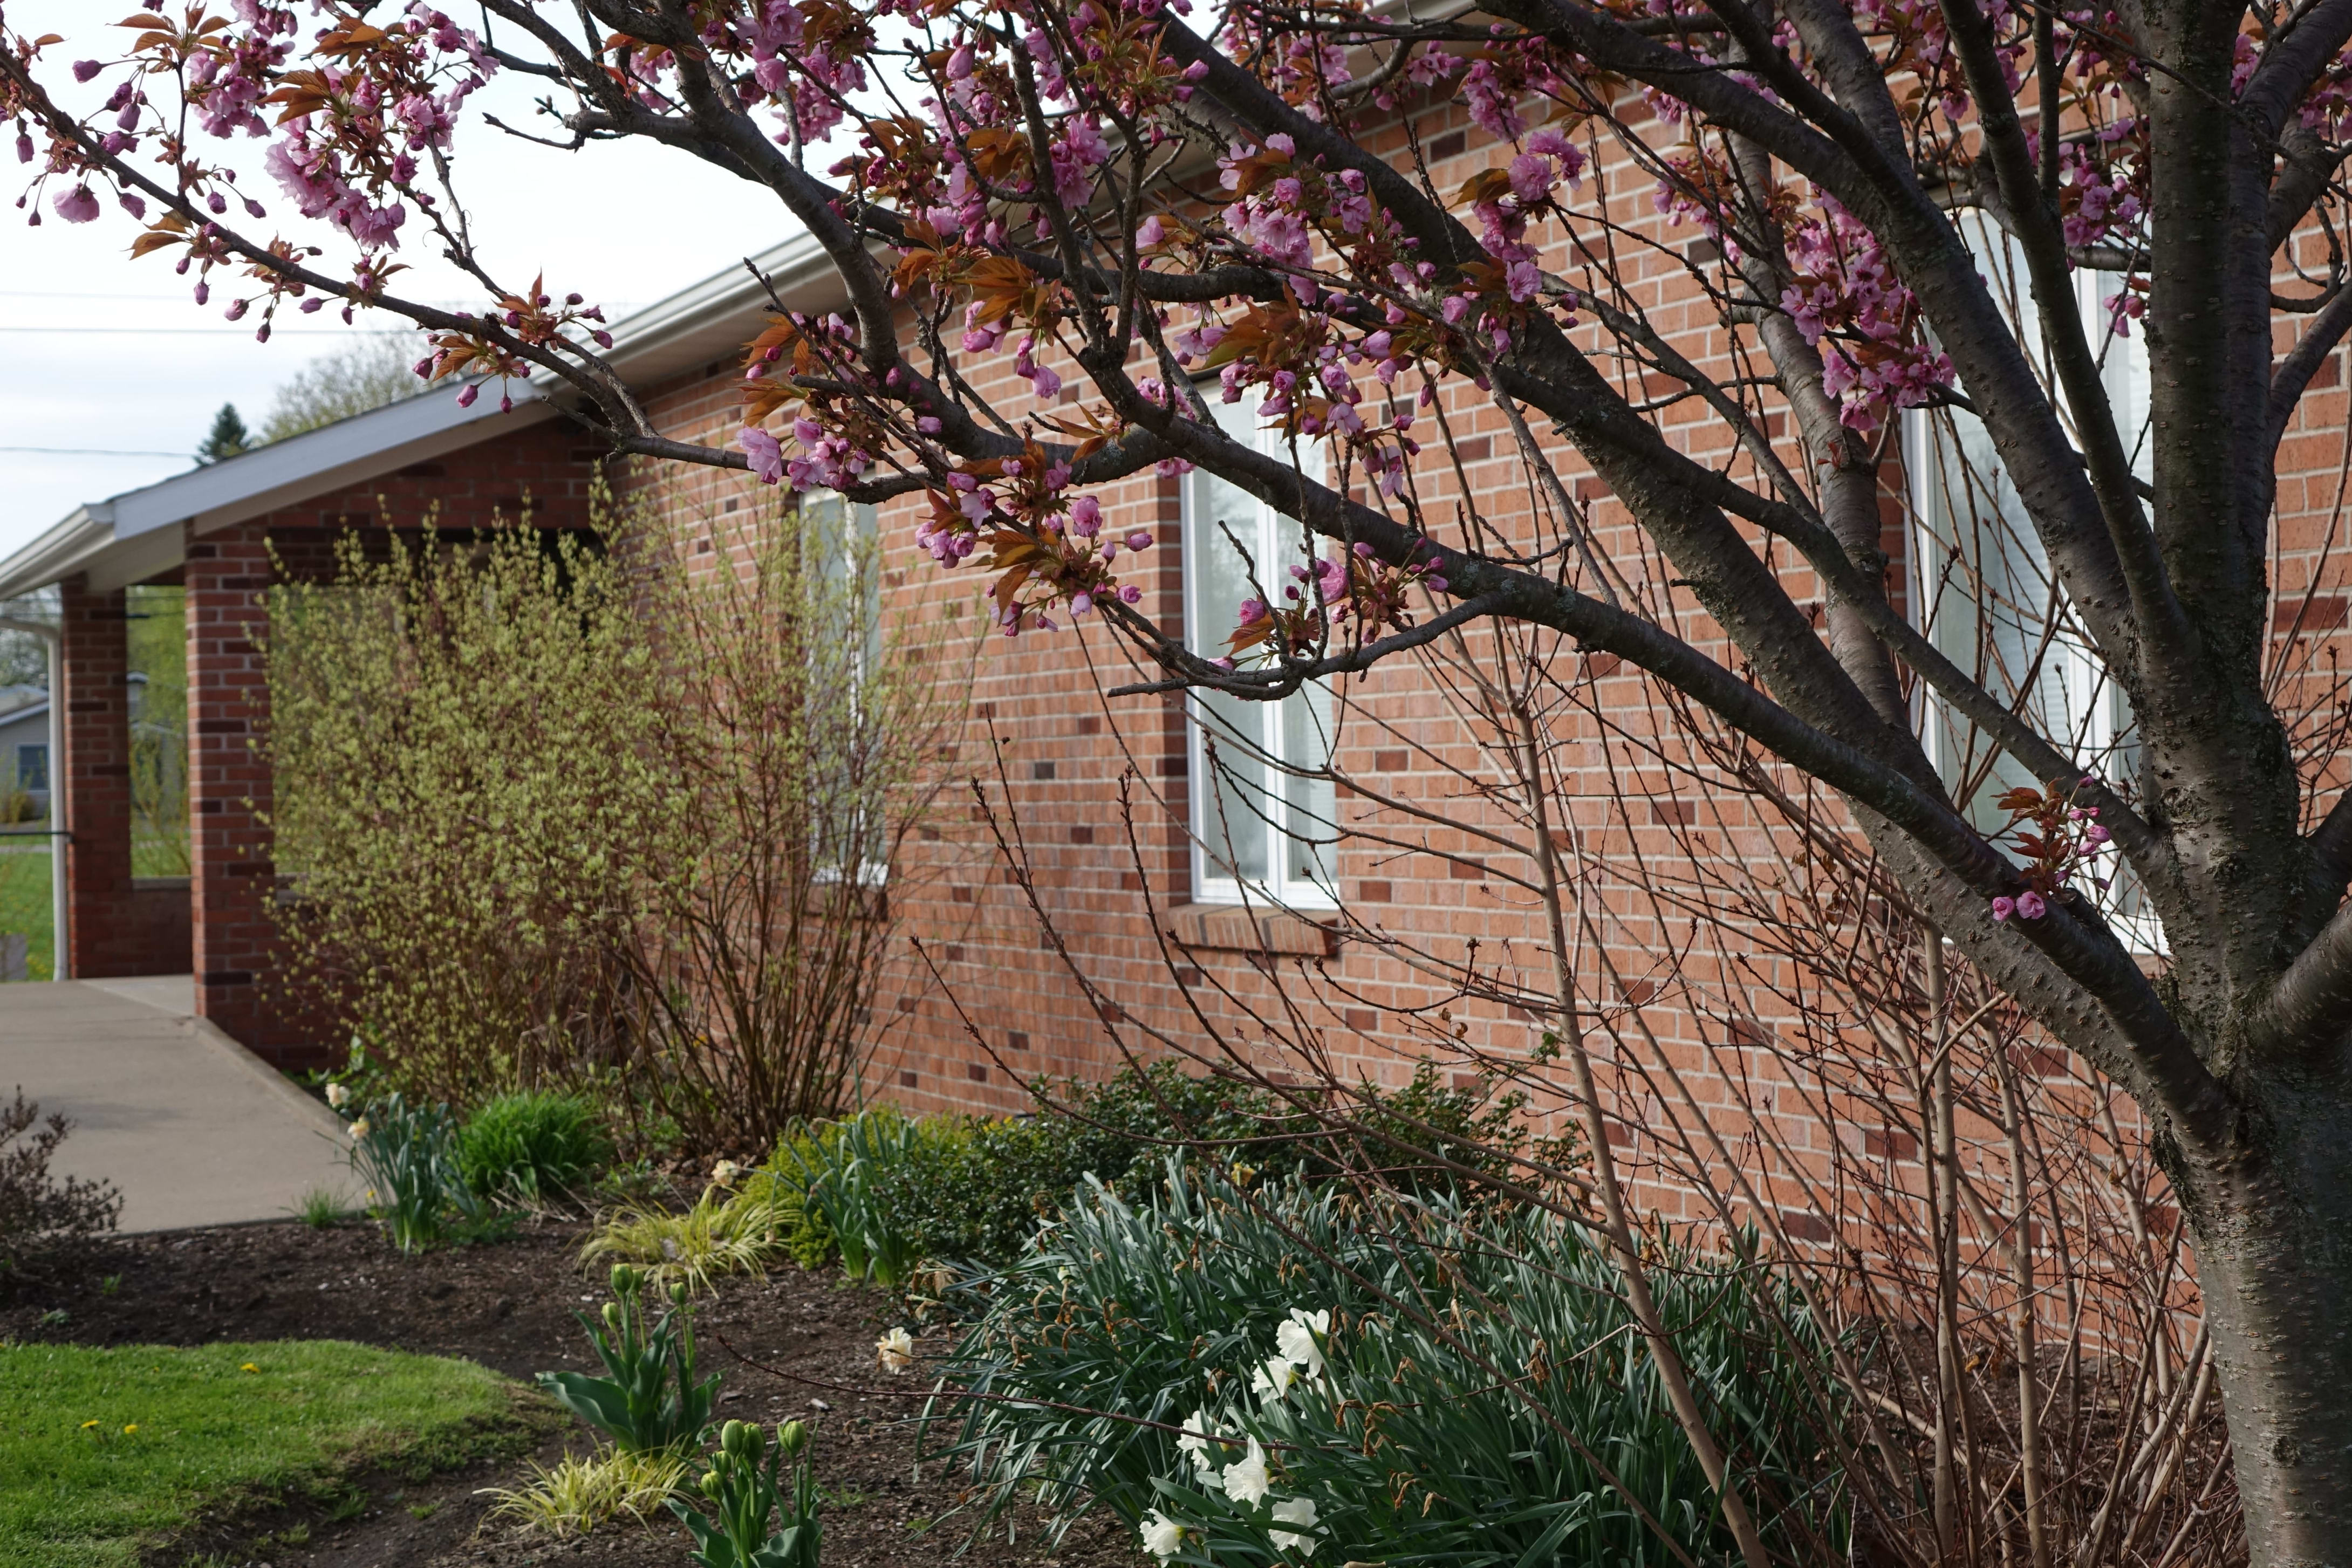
(193, 1129)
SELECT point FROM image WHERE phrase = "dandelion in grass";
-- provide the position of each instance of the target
(131, 1429)
(1298, 1511)
(1246, 1481)
(1300, 1338)
(90, 1425)
(1162, 1536)
(895, 1350)
(248, 1367)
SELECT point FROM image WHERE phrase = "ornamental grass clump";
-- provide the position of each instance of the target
(731, 1229)
(578, 1493)
(1247, 1375)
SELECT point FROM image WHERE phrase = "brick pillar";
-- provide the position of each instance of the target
(231, 879)
(101, 935)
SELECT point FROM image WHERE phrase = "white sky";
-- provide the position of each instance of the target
(110, 358)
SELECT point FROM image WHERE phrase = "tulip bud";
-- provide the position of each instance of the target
(625, 1279)
(789, 1437)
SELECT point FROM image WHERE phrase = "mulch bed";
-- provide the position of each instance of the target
(508, 1306)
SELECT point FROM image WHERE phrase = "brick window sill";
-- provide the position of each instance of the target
(1253, 928)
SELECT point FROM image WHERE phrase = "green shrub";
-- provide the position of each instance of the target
(533, 1147)
(895, 1193)
(1476, 1367)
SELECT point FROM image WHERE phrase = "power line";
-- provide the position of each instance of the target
(91, 452)
(216, 331)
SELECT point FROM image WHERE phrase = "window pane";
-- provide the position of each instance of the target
(1234, 828)
(1307, 743)
(33, 767)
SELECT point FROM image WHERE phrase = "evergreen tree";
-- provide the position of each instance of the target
(229, 437)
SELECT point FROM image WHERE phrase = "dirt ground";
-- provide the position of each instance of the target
(508, 1306)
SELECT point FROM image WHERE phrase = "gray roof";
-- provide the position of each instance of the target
(135, 536)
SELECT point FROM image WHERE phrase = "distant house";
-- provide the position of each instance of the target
(24, 744)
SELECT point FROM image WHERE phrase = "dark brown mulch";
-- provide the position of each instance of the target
(508, 1306)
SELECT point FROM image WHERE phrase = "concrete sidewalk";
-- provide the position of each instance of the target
(194, 1128)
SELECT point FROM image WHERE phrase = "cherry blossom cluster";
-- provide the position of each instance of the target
(1848, 302)
(2057, 838)
(1050, 548)
(1356, 595)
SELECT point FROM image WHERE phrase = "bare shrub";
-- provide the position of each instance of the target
(40, 1212)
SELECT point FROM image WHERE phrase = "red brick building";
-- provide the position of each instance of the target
(1121, 834)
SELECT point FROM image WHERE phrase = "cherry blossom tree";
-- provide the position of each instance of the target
(1892, 213)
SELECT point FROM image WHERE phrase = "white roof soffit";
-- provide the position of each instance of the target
(137, 535)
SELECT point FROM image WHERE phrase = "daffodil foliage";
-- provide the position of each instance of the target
(1735, 272)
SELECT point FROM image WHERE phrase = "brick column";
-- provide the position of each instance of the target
(231, 879)
(101, 935)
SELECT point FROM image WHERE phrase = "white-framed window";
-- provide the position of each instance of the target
(1985, 594)
(841, 544)
(1261, 827)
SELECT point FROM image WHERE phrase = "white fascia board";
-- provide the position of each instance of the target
(63, 550)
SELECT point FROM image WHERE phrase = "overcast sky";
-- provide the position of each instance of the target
(114, 373)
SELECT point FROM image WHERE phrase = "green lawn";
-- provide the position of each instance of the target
(104, 1452)
(25, 899)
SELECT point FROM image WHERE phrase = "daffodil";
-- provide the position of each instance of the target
(1298, 1511)
(1246, 1481)
(1273, 1380)
(1198, 1434)
(895, 1350)
(359, 1128)
(339, 1095)
(1162, 1536)
(724, 1173)
(1300, 1339)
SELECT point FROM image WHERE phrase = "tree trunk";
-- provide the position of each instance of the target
(2273, 1247)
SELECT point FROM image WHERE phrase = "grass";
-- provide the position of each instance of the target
(25, 900)
(104, 1453)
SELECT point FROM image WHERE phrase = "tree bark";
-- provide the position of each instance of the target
(2273, 1237)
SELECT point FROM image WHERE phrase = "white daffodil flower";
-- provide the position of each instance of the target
(1273, 1380)
(895, 1350)
(1162, 1536)
(1298, 1511)
(1199, 1433)
(1246, 1481)
(359, 1128)
(338, 1095)
(1300, 1339)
